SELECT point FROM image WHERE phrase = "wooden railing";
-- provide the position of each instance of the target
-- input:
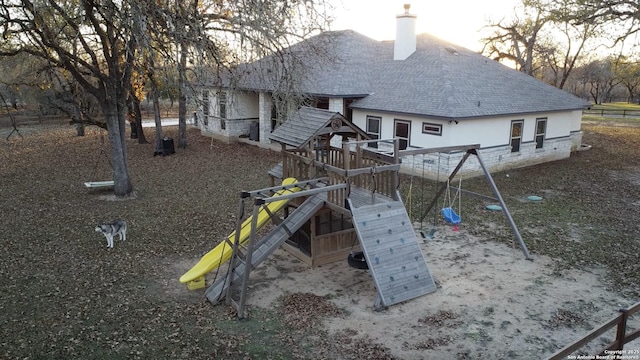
(364, 169)
(616, 347)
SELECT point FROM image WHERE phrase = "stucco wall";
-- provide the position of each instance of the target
(242, 109)
(493, 135)
(562, 135)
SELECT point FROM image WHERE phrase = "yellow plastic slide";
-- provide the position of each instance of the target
(221, 253)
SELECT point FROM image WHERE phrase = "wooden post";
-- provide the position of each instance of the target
(283, 151)
(248, 265)
(622, 328)
(347, 166)
(395, 180)
(236, 248)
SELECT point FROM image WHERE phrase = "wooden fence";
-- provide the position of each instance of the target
(622, 337)
(613, 113)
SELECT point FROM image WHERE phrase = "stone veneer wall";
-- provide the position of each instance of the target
(495, 159)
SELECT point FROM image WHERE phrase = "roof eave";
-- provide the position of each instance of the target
(447, 118)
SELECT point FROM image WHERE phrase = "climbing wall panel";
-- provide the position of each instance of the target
(391, 249)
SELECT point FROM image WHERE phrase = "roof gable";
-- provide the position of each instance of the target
(307, 123)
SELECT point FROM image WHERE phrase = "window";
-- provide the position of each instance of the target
(222, 104)
(205, 106)
(433, 129)
(322, 103)
(516, 135)
(402, 130)
(274, 115)
(541, 130)
(347, 111)
(373, 129)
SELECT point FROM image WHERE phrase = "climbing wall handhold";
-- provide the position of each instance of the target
(391, 250)
(377, 260)
(402, 240)
(389, 231)
(391, 278)
(364, 223)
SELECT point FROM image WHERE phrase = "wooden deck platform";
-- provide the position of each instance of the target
(363, 197)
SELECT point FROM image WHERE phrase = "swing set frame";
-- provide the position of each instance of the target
(469, 151)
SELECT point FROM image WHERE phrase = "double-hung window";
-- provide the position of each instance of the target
(516, 135)
(402, 130)
(373, 129)
(222, 109)
(541, 130)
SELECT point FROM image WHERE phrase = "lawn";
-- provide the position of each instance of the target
(66, 296)
(616, 106)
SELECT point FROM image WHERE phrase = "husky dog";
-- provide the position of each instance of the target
(118, 227)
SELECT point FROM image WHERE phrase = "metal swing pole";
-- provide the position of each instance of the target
(507, 215)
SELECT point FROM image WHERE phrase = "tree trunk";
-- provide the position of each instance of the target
(77, 119)
(116, 125)
(156, 116)
(131, 118)
(138, 116)
(182, 98)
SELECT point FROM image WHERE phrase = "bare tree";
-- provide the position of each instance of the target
(599, 76)
(101, 65)
(624, 13)
(627, 71)
(97, 43)
(561, 57)
(515, 40)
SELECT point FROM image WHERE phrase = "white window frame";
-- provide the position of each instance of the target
(542, 135)
(222, 109)
(402, 138)
(513, 137)
(374, 135)
(432, 129)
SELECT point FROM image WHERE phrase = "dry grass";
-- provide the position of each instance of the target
(64, 295)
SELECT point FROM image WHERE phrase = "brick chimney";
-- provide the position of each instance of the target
(405, 43)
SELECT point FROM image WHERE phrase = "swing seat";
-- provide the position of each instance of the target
(99, 184)
(450, 216)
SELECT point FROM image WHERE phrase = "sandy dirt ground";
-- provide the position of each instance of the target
(490, 303)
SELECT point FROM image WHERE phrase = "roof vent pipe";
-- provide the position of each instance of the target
(405, 43)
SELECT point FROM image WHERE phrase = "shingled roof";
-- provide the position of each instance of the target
(307, 123)
(439, 79)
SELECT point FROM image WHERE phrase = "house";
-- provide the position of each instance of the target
(423, 90)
